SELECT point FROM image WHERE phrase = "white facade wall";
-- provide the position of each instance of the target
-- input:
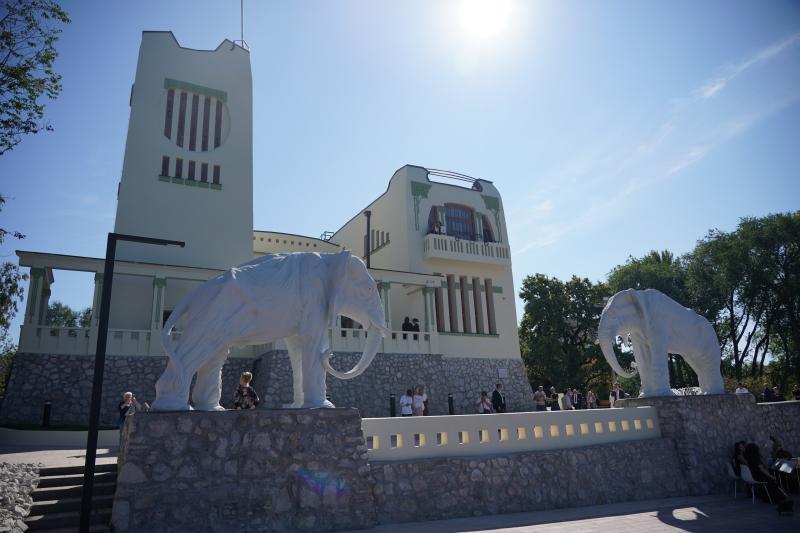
(214, 219)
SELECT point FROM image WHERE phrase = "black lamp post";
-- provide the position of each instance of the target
(368, 237)
(99, 366)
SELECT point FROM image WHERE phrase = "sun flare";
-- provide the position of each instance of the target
(484, 19)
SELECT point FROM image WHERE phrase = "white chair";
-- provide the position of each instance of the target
(732, 476)
(747, 477)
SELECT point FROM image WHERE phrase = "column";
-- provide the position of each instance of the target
(93, 326)
(157, 314)
(35, 288)
(384, 288)
(476, 294)
(430, 311)
(466, 316)
(451, 303)
(490, 306)
(439, 307)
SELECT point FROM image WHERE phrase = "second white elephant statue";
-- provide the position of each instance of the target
(295, 297)
(657, 326)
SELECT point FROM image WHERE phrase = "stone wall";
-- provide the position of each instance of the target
(436, 489)
(66, 380)
(464, 377)
(17, 482)
(259, 470)
(705, 428)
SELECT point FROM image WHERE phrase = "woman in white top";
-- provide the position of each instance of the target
(566, 400)
(406, 402)
(419, 401)
(484, 404)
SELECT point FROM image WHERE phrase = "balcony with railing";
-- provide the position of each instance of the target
(436, 246)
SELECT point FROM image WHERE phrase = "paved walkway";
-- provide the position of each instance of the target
(697, 515)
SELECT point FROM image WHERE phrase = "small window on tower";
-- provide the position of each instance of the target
(165, 165)
(216, 174)
(204, 172)
(191, 170)
(178, 167)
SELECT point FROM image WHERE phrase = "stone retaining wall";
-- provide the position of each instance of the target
(436, 489)
(17, 482)
(66, 380)
(259, 470)
(705, 429)
(464, 377)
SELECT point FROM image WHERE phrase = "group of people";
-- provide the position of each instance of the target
(748, 454)
(244, 397)
(495, 404)
(414, 402)
(770, 394)
(571, 398)
(410, 325)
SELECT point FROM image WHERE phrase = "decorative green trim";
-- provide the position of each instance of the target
(493, 205)
(159, 282)
(163, 178)
(37, 272)
(169, 83)
(459, 334)
(190, 183)
(177, 180)
(98, 277)
(216, 186)
(203, 184)
(418, 192)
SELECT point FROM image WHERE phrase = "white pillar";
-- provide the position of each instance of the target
(157, 314)
(383, 289)
(93, 326)
(36, 287)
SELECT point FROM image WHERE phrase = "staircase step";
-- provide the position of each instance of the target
(67, 480)
(66, 521)
(71, 491)
(64, 505)
(78, 469)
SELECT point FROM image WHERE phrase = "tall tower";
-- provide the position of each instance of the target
(188, 168)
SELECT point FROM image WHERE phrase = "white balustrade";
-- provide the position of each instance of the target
(55, 339)
(448, 247)
(128, 342)
(353, 340)
(418, 437)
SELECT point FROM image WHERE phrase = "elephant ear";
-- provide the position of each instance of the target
(641, 310)
(337, 271)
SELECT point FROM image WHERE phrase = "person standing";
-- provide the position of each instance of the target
(554, 401)
(245, 397)
(406, 401)
(127, 407)
(616, 394)
(540, 399)
(483, 404)
(419, 401)
(577, 398)
(498, 399)
(591, 400)
(566, 400)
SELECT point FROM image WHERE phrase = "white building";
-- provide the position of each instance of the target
(438, 251)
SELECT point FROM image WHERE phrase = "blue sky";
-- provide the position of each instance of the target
(611, 128)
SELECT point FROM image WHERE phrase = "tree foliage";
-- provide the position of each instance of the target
(29, 30)
(62, 315)
(11, 281)
(558, 330)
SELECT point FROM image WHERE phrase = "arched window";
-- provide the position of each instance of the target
(488, 236)
(434, 221)
(460, 221)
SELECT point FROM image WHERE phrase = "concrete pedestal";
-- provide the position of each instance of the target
(259, 470)
(705, 429)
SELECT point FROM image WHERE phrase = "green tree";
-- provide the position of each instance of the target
(11, 281)
(29, 30)
(558, 332)
(62, 315)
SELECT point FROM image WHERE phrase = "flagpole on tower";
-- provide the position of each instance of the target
(241, 42)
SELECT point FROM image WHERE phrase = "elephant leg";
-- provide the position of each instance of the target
(208, 387)
(658, 373)
(707, 367)
(172, 390)
(314, 387)
(295, 346)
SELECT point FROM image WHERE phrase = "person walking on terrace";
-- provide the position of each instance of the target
(419, 401)
(498, 399)
(245, 397)
(555, 404)
(540, 399)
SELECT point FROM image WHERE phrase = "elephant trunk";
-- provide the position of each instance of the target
(608, 351)
(374, 336)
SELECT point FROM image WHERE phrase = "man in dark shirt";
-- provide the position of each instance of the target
(498, 399)
(406, 324)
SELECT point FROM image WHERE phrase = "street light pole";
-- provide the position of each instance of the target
(99, 366)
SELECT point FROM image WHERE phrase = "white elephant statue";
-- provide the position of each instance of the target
(657, 325)
(295, 297)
